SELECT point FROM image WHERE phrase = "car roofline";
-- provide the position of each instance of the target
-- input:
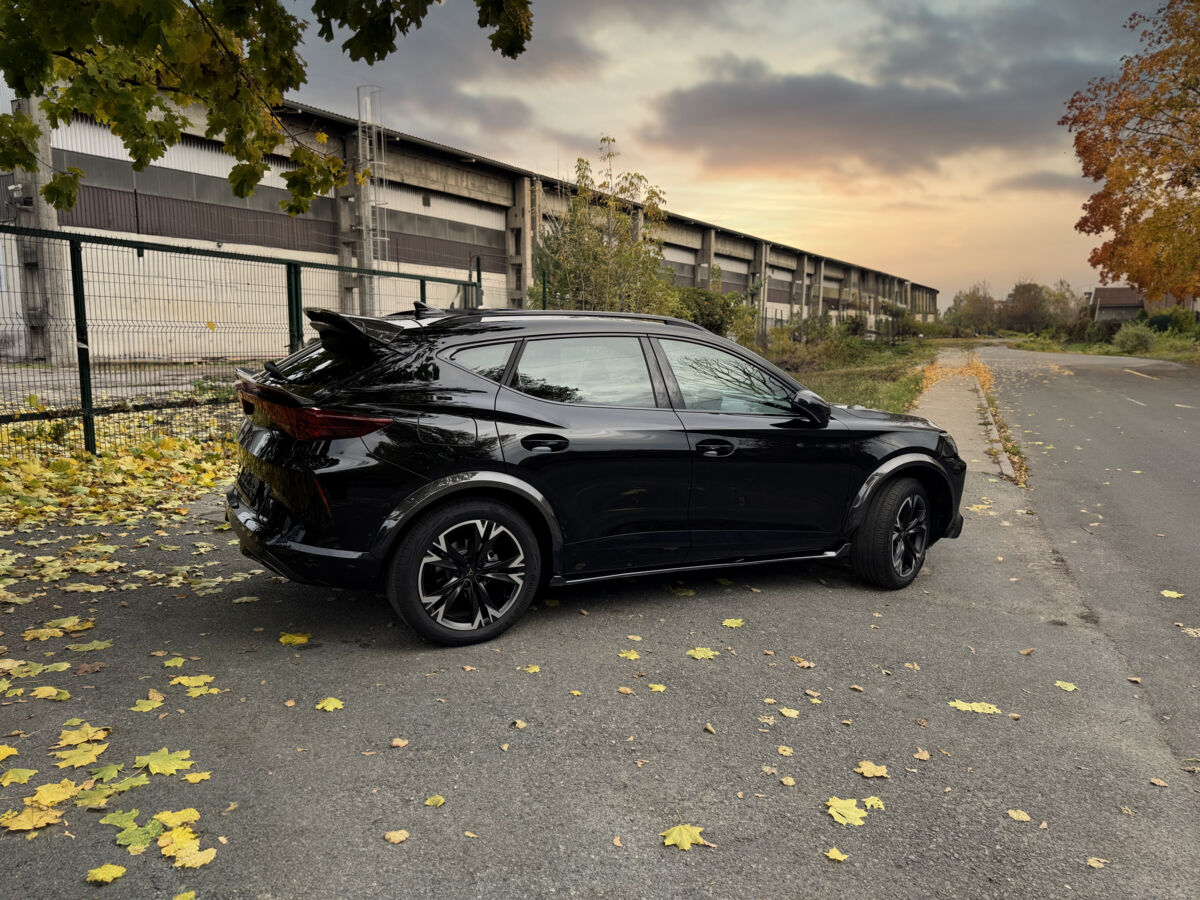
(481, 312)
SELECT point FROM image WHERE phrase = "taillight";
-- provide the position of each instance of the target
(310, 423)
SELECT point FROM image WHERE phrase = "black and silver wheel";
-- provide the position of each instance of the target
(465, 572)
(889, 548)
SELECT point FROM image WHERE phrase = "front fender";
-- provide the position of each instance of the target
(442, 488)
(893, 466)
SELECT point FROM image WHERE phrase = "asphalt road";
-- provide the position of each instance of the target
(316, 791)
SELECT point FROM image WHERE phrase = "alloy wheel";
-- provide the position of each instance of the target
(471, 574)
(910, 534)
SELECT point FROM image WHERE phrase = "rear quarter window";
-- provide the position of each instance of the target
(488, 361)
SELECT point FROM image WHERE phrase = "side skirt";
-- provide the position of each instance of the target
(559, 581)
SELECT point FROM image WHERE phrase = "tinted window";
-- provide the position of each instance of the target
(315, 365)
(712, 379)
(487, 361)
(600, 371)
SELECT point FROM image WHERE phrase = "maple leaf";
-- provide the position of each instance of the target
(192, 681)
(922, 755)
(30, 818)
(17, 776)
(846, 812)
(1018, 815)
(629, 654)
(1096, 862)
(6, 751)
(180, 839)
(42, 634)
(531, 669)
(83, 587)
(977, 707)
(175, 819)
(71, 623)
(837, 855)
(1171, 595)
(245, 599)
(144, 705)
(657, 688)
(196, 777)
(45, 692)
(289, 639)
(435, 801)
(329, 704)
(683, 836)
(788, 712)
(163, 762)
(81, 735)
(396, 837)
(733, 623)
(126, 819)
(868, 769)
(683, 592)
(106, 773)
(194, 858)
(873, 802)
(784, 751)
(91, 645)
(174, 662)
(625, 690)
(703, 653)
(53, 794)
(105, 874)
(82, 755)
(202, 691)
(1066, 685)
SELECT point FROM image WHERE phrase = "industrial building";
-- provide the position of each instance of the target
(427, 209)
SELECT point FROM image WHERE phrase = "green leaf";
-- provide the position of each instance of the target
(92, 645)
(107, 772)
(61, 192)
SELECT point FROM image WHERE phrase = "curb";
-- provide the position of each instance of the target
(993, 433)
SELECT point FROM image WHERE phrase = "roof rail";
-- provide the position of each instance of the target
(581, 313)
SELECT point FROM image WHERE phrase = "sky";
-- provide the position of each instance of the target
(918, 138)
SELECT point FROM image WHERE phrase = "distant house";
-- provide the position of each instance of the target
(1117, 302)
(1122, 302)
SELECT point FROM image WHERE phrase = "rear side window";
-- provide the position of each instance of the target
(594, 371)
(489, 361)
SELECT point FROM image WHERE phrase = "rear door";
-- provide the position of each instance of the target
(586, 420)
(765, 481)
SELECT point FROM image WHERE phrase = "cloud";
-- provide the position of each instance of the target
(1045, 182)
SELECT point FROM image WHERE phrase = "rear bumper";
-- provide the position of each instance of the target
(304, 563)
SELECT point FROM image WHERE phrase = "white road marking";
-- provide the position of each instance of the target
(1131, 400)
(1142, 374)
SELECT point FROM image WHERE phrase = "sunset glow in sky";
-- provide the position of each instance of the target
(914, 137)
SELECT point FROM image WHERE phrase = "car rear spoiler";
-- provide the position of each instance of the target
(351, 337)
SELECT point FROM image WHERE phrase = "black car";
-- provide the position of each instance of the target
(463, 461)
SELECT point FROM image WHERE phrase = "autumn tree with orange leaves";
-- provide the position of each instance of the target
(1138, 136)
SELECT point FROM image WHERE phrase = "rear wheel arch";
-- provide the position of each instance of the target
(523, 499)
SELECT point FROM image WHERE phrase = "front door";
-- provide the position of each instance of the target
(765, 481)
(584, 421)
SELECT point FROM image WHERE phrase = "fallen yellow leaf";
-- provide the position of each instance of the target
(329, 704)
(733, 623)
(1096, 862)
(703, 653)
(1018, 815)
(845, 812)
(1171, 595)
(289, 639)
(396, 837)
(105, 874)
(683, 837)
(837, 855)
(436, 800)
(977, 707)
(868, 769)
(1065, 685)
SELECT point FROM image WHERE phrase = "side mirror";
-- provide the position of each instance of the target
(812, 406)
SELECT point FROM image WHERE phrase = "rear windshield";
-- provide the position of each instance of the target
(315, 365)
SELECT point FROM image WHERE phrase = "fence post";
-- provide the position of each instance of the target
(82, 352)
(295, 309)
(423, 301)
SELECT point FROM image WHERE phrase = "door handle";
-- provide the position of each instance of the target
(544, 443)
(714, 447)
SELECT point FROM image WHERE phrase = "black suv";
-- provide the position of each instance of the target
(463, 461)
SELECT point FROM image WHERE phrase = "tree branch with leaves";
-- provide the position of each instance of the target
(1138, 136)
(143, 70)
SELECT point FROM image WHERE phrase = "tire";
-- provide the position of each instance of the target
(465, 572)
(889, 549)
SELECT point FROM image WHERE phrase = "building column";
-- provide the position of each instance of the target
(519, 244)
(46, 299)
(705, 259)
(820, 286)
(799, 280)
(759, 271)
(347, 241)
